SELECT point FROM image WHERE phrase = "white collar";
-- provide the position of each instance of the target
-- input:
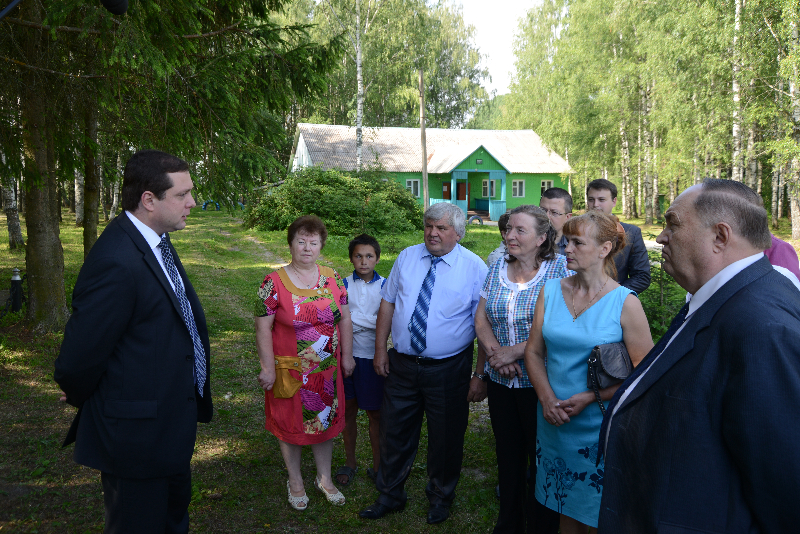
(150, 235)
(720, 279)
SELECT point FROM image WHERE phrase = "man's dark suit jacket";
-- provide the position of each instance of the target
(708, 440)
(127, 361)
(633, 266)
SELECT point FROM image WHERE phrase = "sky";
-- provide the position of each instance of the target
(496, 22)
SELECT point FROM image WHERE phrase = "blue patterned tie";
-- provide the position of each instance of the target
(418, 325)
(186, 310)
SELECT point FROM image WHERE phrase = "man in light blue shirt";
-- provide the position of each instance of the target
(429, 303)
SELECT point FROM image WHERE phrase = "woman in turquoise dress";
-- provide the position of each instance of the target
(573, 315)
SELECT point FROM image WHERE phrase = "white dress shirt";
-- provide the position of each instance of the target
(364, 300)
(153, 240)
(454, 299)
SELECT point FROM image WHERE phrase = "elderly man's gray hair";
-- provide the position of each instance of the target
(736, 204)
(455, 217)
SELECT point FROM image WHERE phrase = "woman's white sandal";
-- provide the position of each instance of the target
(295, 502)
(333, 498)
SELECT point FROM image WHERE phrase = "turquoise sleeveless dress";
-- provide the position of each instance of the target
(567, 479)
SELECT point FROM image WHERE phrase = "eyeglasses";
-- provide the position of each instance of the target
(554, 213)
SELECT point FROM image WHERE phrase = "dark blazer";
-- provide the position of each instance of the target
(708, 440)
(633, 266)
(127, 361)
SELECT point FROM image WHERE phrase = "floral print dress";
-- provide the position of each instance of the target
(306, 325)
(567, 477)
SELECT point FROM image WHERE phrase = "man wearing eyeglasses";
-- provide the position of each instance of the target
(557, 203)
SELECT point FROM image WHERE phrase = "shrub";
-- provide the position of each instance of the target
(663, 299)
(370, 201)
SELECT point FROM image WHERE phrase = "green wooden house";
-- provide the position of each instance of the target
(489, 170)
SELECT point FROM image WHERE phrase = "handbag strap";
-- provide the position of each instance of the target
(593, 375)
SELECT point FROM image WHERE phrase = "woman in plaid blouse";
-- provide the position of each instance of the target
(502, 322)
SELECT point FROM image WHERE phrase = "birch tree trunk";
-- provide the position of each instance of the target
(360, 91)
(114, 201)
(752, 162)
(626, 171)
(759, 177)
(648, 177)
(655, 179)
(776, 180)
(784, 170)
(738, 161)
(91, 194)
(696, 162)
(79, 200)
(794, 202)
(639, 192)
(12, 216)
(794, 92)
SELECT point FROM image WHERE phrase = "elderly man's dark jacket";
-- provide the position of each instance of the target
(708, 440)
(127, 361)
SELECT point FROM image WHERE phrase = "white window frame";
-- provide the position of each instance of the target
(487, 188)
(412, 184)
(546, 184)
(517, 188)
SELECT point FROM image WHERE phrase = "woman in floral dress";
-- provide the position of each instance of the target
(304, 338)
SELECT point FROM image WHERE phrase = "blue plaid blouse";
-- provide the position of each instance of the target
(510, 308)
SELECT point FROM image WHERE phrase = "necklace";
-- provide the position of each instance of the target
(308, 286)
(575, 317)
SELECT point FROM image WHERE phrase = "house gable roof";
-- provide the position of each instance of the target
(399, 150)
(467, 153)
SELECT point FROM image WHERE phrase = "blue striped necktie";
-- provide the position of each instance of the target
(186, 311)
(418, 325)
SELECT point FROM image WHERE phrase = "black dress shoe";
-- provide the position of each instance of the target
(438, 513)
(378, 510)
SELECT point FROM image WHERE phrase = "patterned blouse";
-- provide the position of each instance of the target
(510, 308)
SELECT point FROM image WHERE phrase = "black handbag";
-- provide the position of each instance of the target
(609, 364)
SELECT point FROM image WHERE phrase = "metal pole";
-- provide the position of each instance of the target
(16, 290)
(425, 195)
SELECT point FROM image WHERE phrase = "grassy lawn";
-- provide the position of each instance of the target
(238, 473)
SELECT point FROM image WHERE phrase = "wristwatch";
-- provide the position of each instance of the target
(483, 377)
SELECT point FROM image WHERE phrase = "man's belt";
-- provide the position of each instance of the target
(422, 360)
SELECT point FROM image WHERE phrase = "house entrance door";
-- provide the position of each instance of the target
(462, 191)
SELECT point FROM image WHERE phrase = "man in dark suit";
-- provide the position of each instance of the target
(135, 357)
(703, 436)
(633, 266)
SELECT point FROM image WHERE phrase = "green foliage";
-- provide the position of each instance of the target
(370, 201)
(398, 37)
(663, 299)
(644, 90)
(489, 115)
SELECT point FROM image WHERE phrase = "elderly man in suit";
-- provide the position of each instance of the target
(135, 356)
(633, 265)
(429, 303)
(703, 436)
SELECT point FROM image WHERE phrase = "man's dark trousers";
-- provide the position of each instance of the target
(438, 391)
(165, 499)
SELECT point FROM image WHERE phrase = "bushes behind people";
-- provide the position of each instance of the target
(350, 204)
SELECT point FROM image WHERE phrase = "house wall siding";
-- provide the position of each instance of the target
(533, 184)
